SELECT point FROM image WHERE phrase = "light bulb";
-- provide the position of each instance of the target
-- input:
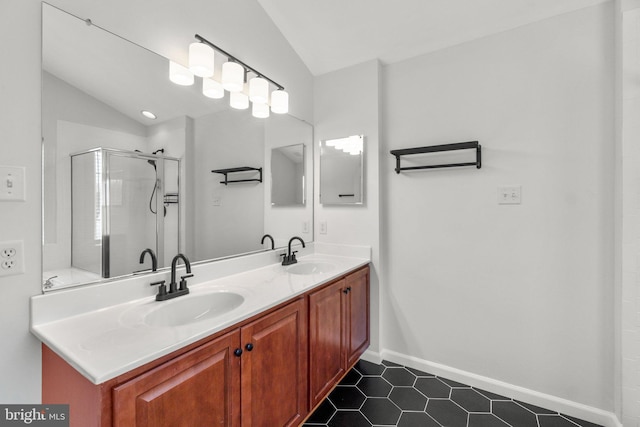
(148, 114)
(259, 90)
(280, 101)
(212, 89)
(232, 76)
(260, 111)
(180, 75)
(239, 100)
(201, 59)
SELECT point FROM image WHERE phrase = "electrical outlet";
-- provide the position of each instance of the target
(11, 258)
(509, 195)
(305, 226)
(8, 252)
(323, 227)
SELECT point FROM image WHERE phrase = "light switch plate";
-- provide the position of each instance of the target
(12, 187)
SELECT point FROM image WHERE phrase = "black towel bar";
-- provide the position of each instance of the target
(436, 149)
(225, 172)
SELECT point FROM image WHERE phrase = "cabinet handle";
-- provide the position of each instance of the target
(249, 347)
(238, 352)
(346, 291)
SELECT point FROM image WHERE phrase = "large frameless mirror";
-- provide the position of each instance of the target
(341, 171)
(118, 181)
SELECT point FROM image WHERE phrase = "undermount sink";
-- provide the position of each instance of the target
(193, 308)
(310, 268)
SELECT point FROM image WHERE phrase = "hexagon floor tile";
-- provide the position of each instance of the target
(389, 394)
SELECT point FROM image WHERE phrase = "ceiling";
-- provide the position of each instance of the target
(332, 34)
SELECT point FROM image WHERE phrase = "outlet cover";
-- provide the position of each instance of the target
(11, 258)
(510, 195)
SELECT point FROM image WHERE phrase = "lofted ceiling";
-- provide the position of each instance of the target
(332, 34)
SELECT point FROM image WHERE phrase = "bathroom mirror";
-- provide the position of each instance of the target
(116, 182)
(341, 171)
(287, 175)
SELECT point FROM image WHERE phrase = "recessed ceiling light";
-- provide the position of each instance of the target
(148, 114)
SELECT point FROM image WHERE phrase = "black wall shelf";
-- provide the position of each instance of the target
(437, 149)
(226, 172)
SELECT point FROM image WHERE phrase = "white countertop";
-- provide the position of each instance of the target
(104, 342)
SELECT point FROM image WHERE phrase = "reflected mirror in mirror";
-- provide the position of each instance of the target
(341, 171)
(287, 176)
(116, 181)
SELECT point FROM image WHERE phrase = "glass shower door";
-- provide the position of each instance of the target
(133, 202)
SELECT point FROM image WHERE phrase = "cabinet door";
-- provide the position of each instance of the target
(274, 368)
(199, 388)
(357, 314)
(327, 351)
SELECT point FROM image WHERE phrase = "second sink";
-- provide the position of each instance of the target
(310, 268)
(193, 308)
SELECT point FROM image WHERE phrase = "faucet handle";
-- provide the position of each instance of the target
(163, 288)
(183, 281)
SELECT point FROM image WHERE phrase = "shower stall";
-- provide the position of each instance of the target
(123, 202)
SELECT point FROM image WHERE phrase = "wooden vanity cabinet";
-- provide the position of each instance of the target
(338, 331)
(274, 368)
(266, 359)
(257, 373)
(198, 388)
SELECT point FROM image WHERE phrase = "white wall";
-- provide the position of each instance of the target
(630, 295)
(20, 146)
(240, 27)
(346, 102)
(521, 294)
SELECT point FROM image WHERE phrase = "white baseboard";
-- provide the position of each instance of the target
(564, 406)
(372, 356)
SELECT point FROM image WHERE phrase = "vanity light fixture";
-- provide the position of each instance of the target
(233, 79)
(280, 101)
(258, 90)
(351, 144)
(180, 74)
(201, 59)
(212, 88)
(232, 76)
(260, 111)
(238, 100)
(148, 114)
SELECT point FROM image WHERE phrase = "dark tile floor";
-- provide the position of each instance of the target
(392, 395)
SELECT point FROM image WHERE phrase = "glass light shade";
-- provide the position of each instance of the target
(239, 100)
(180, 75)
(212, 89)
(233, 76)
(259, 90)
(260, 111)
(201, 59)
(280, 102)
